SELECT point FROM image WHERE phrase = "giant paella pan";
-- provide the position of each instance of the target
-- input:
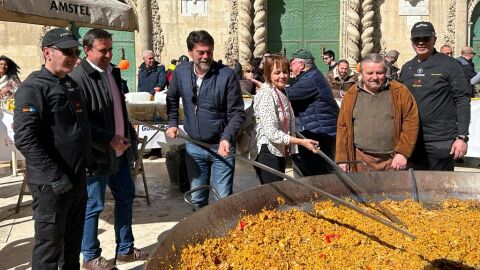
(231, 214)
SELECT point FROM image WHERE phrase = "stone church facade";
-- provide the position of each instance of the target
(248, 28)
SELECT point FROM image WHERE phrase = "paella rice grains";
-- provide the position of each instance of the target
(334, 237)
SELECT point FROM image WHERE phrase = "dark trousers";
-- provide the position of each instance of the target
(272, 161)
(307, 163)
(58, 226)
(433, 156)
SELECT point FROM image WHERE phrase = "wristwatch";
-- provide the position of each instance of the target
(464, 138)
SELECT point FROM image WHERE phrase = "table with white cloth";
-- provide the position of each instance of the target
(155, 113)
(7, 146)
(474, 130)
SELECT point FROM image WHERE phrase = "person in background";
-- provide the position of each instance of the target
(214, 113)
(9, 81)
(446, 50)
(274, 137)
(341, 78)
(442, 93)
(173, 64)
(170, 69)
(183, 59)
(391, 58)
(378, 121)
(466, 62)
(151, 74)
(152, 78)
(257, 69)
(329, 59)
(237, 68)
(248, 82)
(112, 153)
(316, 114)
(52, 133)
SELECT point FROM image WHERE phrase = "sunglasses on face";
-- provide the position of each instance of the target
(249, 71)
(68, 52)
(421, 39)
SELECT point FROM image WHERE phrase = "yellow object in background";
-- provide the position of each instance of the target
(11, 104)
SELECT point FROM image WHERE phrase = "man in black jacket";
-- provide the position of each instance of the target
(467, 65)
(443, 97)
(214, 113)
(52, 132)
(101, 85)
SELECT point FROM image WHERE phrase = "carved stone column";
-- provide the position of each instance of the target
(260, 32)
(353, 32)
(232, 42)
(144, 24)
(244, 30)
(368, 13)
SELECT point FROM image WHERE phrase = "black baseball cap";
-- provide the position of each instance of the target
(422, 29)
(60, 38)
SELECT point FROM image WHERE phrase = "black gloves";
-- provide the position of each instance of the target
(62, 185)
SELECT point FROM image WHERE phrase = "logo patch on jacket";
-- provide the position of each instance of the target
(29, 108)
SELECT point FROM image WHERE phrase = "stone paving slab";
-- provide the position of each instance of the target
(166, 209)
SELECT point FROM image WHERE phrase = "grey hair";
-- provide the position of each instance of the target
(147, 52)
(375, 58)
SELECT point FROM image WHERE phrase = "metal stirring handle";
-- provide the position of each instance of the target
(342, 175)
(332, 197)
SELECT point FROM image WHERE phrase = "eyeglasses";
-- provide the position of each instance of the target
(249, 71)
(325, 58)
(68, 52)
(421, 39)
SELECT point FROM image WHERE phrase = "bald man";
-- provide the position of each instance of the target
(447, 50)
(465, 60)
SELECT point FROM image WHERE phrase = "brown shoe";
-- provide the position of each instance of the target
(134, 255)
(99, 263)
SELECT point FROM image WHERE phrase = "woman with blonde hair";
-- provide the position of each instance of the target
(274, 137)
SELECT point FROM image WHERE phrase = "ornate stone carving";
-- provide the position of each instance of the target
(368, 14)
(158, 38)
(231, 48)
(353, 31)
(449, 37)
(260, 31)
(377, 34)
(145, 24)
(244, 30)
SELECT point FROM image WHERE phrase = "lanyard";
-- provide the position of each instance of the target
(284, 120)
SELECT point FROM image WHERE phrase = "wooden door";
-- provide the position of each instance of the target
(309, 24)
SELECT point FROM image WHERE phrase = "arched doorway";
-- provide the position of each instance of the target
(310, 24)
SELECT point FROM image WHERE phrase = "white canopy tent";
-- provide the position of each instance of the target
(107, 14)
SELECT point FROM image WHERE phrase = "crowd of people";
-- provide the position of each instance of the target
(72, 126)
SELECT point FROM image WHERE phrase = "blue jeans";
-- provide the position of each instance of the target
(123, 189)
(200, 162)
